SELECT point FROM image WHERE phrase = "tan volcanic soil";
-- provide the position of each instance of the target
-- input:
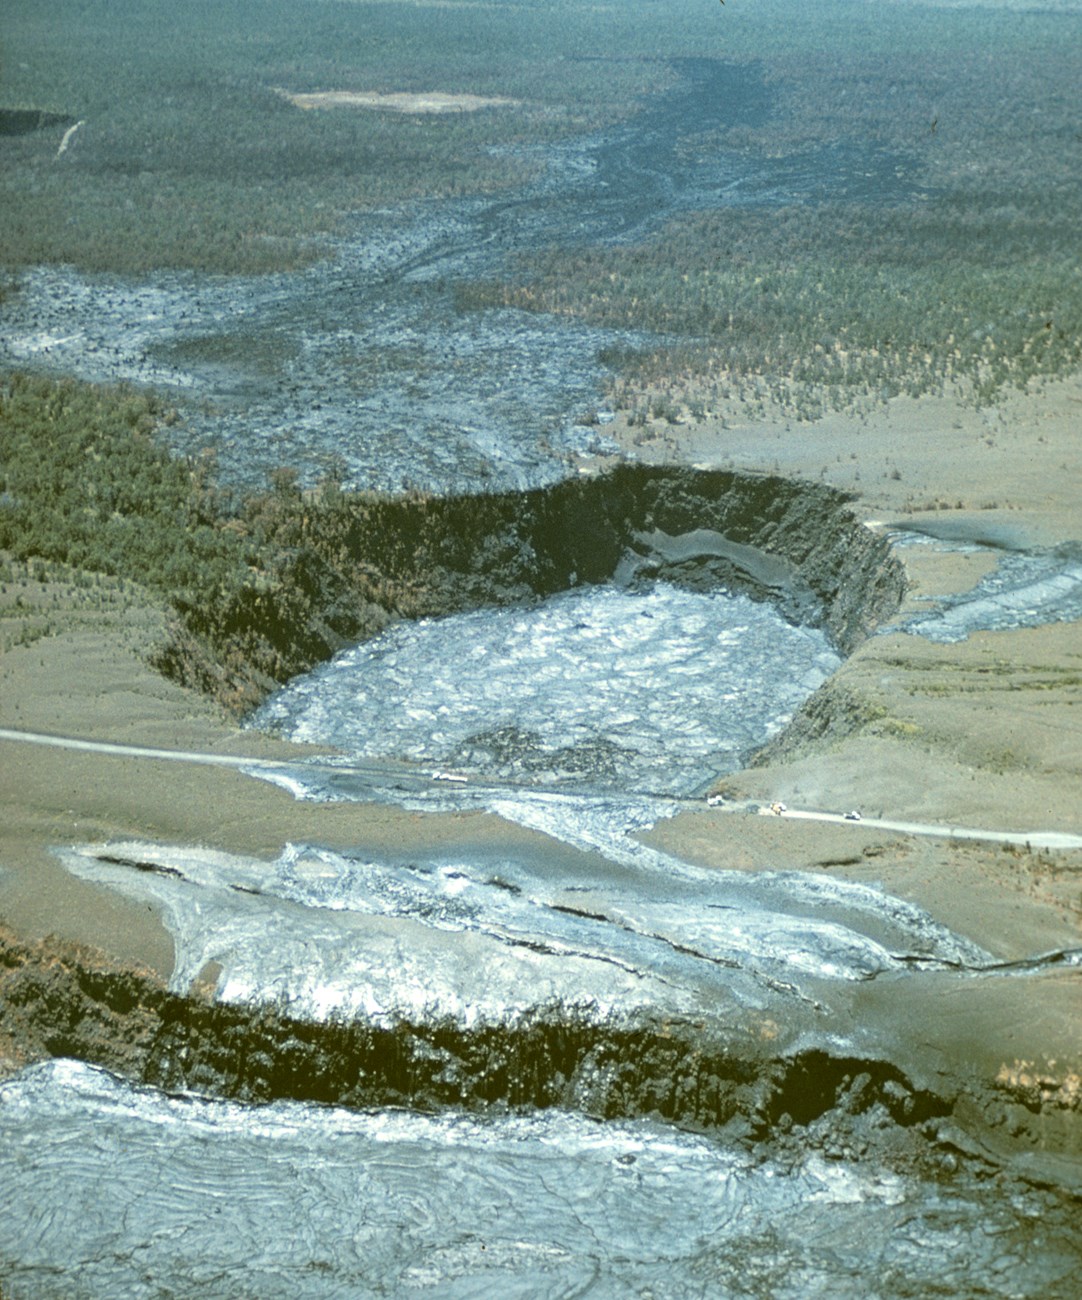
(986, 733)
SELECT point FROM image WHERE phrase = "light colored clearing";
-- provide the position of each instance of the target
(433, 101)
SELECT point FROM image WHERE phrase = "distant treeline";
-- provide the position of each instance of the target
(187, 157)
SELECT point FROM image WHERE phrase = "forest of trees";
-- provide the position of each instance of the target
(188, 157)
(824, 314)
(84, 483)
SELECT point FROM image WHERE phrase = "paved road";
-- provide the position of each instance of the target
(376, 771)
(1034, 839)
(137, 751)
(381, 772)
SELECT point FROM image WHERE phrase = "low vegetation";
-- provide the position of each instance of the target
(822, 314)
(83, 483)
(967, 280)
(971, 283)
(189, 157)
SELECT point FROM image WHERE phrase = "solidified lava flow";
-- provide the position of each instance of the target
(296, 1201)
(365, 362)
(590, 1068)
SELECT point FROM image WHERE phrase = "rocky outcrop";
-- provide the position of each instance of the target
(60, 1000)
(64, 1000)
(828, 716)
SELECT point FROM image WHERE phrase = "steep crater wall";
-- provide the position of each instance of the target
(352, 563)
